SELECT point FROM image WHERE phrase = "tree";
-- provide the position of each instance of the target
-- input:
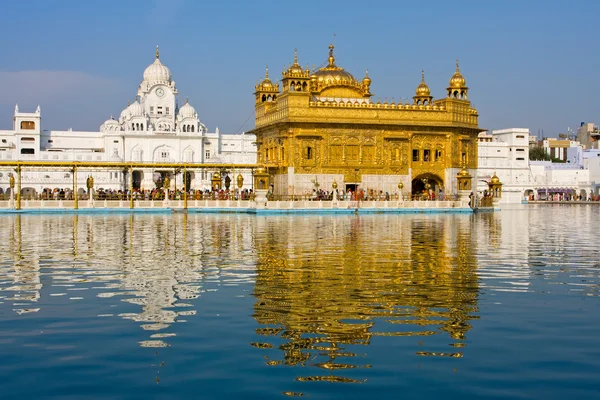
(539, 154)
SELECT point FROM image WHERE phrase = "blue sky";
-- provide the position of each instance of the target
(532, 64)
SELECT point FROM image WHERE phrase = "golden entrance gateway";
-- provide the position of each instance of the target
(321, 127)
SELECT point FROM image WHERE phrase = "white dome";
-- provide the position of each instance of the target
(187, 111)
(125, 113)
(157, 72)
(110, 125)
(136, 109)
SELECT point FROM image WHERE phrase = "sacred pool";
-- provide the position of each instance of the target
(486, 305)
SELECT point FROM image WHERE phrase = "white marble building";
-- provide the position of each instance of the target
(506, 153)
(154, 129)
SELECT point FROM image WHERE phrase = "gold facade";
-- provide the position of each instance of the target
(324, 123)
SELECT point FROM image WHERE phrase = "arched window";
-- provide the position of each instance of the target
(264, 98)
(309, 153)
(142, 126)
(184, 128)
(193, 128)
(292, 87)
(132, 126)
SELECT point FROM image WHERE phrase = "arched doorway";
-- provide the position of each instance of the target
(427, 187)
(28, 193)
(138, 177)
(529, 194)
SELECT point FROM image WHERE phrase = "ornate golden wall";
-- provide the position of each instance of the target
(329, 125)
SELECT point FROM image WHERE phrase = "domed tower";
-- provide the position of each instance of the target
(266, 91)
(333, 81)
(458, 86)
(366, 83)
(295, 79)
(422, 93)
(157, 94)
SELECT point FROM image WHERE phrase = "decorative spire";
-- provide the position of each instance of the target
(295, 56)
(186, 100)
(457, 70)
(367, 72)
(423, 75)
(267, 72)
(331, 57)
(128, 103)
(157, 53)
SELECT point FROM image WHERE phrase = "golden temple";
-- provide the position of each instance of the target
(322, 126)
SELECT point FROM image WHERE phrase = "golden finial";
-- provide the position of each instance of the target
(157, 53)
(331, 58)
(267, 72)
(422, 75)
(367, 72)
(457, 70)
(295, 56)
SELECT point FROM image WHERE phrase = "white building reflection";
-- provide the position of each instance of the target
(157, 262)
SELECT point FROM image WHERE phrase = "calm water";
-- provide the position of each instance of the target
(500, 305)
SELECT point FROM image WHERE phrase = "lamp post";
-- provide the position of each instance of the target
(89, 183)
(75, 198)
(18, 170)
(12, 189)
(334, 186)
(240, 184)
(400, 187)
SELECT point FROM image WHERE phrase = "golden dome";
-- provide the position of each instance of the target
(423, 89)
(464, 172)
(366, 80)
(295, 68)
(332, 74)
(216, 176)
(261, 170)
(495, 178)
(266, 83)
(457, 81)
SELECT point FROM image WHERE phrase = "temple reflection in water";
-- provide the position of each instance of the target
(349, 280)
(323, 284)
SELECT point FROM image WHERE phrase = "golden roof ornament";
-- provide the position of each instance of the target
(366, 80)
(464, 172)
(423, 89)
(295, 68)
(457, 81)
(495, 179)
(331, 57)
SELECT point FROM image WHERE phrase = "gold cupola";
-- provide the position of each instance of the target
(265, 90)
(294, 78)
(458, 85)
(495, 179)
(334, 81)
(422, 93)
(295, 68)
(367, 82)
